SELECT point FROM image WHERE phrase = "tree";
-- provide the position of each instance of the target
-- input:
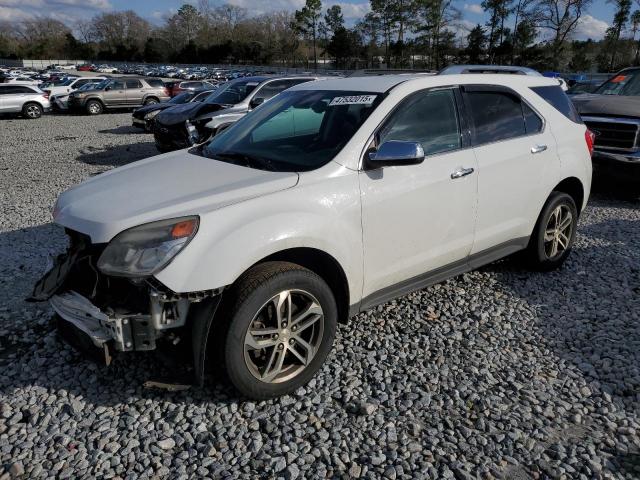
(635, 25)
(499, 11)
(476, 42)
(522, 12)
(188, 19)
(384, 13)
(333, 19)
(620, 19)
(560, 17)
(433, 18)
(307, 21)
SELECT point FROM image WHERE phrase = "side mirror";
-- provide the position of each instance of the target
(256, 102)
(396, 152)
(107, 88)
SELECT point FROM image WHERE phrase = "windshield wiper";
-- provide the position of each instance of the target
(249, 160)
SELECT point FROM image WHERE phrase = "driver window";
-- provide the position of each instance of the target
(428, 117)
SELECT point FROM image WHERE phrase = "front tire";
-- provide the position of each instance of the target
(94, 107)
(32, 111)
(554, 233)
(280, 322)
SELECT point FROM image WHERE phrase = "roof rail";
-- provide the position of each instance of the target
(372, 72)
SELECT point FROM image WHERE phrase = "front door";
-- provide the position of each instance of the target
(116, 95)
(420, 218)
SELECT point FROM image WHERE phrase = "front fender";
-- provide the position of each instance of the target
(232, 239)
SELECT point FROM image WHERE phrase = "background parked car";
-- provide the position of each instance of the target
(143, 117)
(70, 84)
(185, 125)
(180, 87)
(612, 113)
(26, 99)
(61, 102)
(119, 93)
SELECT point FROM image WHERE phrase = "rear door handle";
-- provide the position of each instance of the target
(538, 148)
(461, 172)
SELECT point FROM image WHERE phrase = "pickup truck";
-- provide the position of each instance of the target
(612, 113)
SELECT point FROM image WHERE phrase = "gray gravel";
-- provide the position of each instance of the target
(499, 373)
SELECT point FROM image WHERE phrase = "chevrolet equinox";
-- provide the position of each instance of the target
(331, 198)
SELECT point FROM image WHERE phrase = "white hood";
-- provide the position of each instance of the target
(166, 186)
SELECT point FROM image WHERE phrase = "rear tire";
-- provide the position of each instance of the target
(32, 110)
(94, 107)
(151, 101)
(554, 233)
(279, 322)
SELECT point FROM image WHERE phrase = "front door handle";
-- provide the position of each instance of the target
(461, 172)
(538, 148)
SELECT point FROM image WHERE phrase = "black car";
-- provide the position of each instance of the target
(143, 117)
(185, 125)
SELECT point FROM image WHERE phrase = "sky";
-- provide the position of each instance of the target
(592, 25)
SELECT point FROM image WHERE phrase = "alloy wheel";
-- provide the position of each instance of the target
(284, 336)
(33, 111)
(557, 234)
(94, 108)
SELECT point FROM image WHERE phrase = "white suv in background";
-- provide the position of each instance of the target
(26, 99)
(333, 197)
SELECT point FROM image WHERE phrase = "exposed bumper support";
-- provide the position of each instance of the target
(76, 309)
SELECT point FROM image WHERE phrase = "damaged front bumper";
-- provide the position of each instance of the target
(115, 314)
(128, 332)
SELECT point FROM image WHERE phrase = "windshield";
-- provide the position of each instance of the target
(295, 131)
(233, 92)
(101, 85)
(67, 82)
(625, 83)
(88, 86)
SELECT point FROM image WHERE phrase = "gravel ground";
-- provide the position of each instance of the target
(498, 373)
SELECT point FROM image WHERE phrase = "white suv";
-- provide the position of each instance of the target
(331, 198)
(26, 99)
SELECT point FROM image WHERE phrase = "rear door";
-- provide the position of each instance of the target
(134, 91)
(517, 165)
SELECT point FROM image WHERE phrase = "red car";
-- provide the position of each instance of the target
(86, 68)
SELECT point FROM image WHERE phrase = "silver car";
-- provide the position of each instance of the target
(26, 99)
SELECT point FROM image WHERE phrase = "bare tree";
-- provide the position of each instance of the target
(560, 17)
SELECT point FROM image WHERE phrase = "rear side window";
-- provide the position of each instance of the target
(134, 84)
(496, 116)
(558, 99)
(533, 123)
(154, 82)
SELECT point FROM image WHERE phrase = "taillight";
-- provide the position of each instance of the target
(590, 138)
(46, 95)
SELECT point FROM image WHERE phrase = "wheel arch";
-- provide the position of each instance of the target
(324, 265)
(573, 187)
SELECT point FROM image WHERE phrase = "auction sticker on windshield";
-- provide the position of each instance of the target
(353, 100)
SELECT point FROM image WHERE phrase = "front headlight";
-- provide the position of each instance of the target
(150, 115)
(142, 251)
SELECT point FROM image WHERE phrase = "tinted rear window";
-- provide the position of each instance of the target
(154, 82)
(558, 99)
(496, 116)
